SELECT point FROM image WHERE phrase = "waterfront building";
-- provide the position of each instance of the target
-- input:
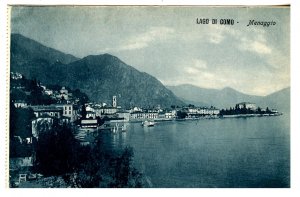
(89, 123)
(247, 105)
(170, 115)
(124, 114)
(108, 110)
(143, 115)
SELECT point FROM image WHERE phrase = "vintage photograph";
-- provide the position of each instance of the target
(149, 97)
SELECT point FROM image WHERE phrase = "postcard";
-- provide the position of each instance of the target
(149, 97)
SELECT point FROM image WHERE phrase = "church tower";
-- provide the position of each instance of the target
(114, 101)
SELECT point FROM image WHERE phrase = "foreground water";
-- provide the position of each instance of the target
(233, 152)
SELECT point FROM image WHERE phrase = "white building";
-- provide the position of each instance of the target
(89, 123)
(108, 110)
(248, 105)
(20, 103)
(48, 92)
(125, 115)
(143, 115)
(68, 110)
(49, 110)
(64, 93)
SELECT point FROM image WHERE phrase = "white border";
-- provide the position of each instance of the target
(295, 95)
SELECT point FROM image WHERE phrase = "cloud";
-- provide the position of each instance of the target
(253, 41)
(217, 33)
(198, 72)
(256, 46)
(256, 42)
(200, 64)
(197, 67)
(145, 39)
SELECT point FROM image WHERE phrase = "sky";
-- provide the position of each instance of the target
(167, 43)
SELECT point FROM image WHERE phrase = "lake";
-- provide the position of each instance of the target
(232, 152)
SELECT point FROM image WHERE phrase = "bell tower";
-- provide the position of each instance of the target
(114, 101)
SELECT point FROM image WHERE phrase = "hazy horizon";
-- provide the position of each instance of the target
(167, 43)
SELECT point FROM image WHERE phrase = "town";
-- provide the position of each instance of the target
(41, 107)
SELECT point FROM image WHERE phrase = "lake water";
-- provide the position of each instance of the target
(232, 152)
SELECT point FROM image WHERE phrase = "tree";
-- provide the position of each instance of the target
(20, 121)
(83, 112)
(56, 151)
(18, 126)
(259, 110)
(181, 115)
(190, 105)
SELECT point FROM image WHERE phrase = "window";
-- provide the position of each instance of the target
(70, 108)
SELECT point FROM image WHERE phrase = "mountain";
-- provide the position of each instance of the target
(25, 50)
(223, 98)
(279, 100)
(99, 76)
(228, 97)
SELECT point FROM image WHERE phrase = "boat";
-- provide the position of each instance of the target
(114, 130)
(147, 123)
(123, 128)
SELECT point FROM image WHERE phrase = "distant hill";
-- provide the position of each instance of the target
(211, 97)
(279, 100)
(99, 76)
(228, 97)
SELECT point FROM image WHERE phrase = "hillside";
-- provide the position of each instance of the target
(99, 76)
(228, 97)
(25, 50)
(219, 98)
(279, 100)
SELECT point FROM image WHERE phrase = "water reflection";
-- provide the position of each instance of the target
(251, 152)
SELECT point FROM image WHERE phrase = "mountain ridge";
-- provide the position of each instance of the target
(228, 97)
(99, 76)
(34, 49)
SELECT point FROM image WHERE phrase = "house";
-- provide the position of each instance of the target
(143, 115)
(90, 114)
(108, 110)
(50, 110)
(64, 93)
(247, 105)
(48, 92)
(20, 103)
(16, 75)
(67, 109)
(170, 114)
